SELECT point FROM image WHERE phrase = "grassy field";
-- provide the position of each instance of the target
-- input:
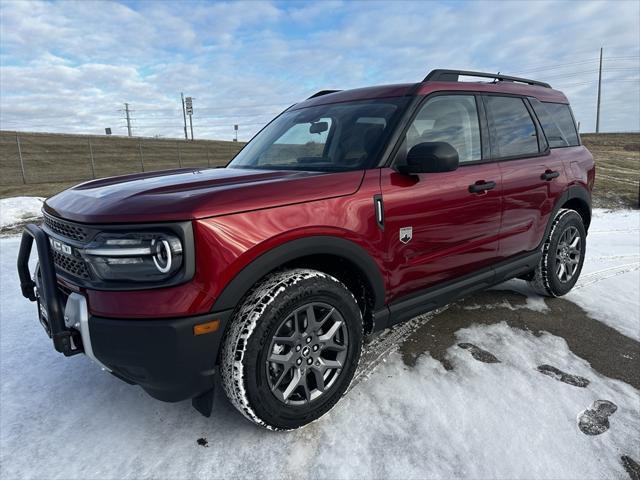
(617, 158)
(54, 162)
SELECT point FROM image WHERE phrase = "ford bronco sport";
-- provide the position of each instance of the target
(348, 213)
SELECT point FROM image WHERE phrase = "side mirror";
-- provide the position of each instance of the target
(319, 127)
(431, 157)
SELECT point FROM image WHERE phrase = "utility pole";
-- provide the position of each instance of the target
(126, 109)
(188, 107)
(184, 117)
(599, 90)
(235, 128)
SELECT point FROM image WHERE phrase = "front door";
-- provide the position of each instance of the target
(441, 226)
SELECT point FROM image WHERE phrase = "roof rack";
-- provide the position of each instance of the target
(440, 75)
(321, 93)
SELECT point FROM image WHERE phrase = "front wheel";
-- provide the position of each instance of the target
(292, 349)
(562, 256)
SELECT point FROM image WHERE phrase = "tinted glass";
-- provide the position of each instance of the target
(335, 137)
(452, 119)
(513, 131)
(551, 130)
(562, 117)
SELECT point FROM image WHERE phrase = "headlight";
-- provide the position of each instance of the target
(137, 257)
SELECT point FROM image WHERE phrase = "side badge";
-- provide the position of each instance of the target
(406, 234)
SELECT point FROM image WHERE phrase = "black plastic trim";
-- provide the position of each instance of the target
(429, 299)
(574, 192)
(163, 356)
(293, 250)
(49, 298)
(378, 206)
(442, 75)
(322, 93)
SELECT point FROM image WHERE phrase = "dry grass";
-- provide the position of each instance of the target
(54, 162)
(617, 158)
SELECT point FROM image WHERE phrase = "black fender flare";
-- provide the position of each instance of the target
(575, 192)
(287, 252)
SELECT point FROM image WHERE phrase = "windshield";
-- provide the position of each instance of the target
(335, 137)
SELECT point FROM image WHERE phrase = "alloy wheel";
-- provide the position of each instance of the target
(307, 353)
(568, 254)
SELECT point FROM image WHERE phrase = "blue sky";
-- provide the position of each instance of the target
(70, 66)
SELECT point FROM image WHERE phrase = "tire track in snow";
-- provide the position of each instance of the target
(595, 277)
(617, 230)
(380, 347)
(612, 257)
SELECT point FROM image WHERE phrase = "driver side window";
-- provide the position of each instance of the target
(452, 119)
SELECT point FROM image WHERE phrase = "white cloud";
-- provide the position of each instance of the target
(243, 62)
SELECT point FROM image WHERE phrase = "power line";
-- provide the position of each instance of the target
(212, 117)
(583, 62)
(222, 107)
(576, 53)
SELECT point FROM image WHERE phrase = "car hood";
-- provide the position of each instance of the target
(187, 194)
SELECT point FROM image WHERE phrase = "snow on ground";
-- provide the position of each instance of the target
(608, 288)
(64, 418)
(16, 210)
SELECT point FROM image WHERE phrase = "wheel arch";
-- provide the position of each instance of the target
(580, 205)
(576, 198)
(343, 259)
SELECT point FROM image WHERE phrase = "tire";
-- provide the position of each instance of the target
(308, 353)
(562, 256)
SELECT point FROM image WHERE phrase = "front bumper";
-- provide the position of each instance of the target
(164, 357)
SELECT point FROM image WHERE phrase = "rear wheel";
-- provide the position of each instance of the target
(562, 256)
(292, 349)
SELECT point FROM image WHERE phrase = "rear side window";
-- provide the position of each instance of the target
(513, 132)
(557, 123)
(551, 129)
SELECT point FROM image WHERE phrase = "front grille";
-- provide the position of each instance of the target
(72, 266)
(66, 229)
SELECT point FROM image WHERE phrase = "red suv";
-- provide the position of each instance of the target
(350, 212)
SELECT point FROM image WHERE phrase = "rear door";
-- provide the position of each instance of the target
(532, 176)
(436, 229)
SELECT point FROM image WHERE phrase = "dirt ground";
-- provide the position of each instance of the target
(608, 351)
(617, 158)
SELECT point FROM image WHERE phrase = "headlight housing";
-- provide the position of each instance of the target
(147, 256)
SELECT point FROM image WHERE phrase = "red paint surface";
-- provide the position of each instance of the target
(454, 231)
(240, 214)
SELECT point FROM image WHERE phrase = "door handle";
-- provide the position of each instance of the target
(549, 175)
(481, 186)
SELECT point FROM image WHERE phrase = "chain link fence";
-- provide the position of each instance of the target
(33, 158)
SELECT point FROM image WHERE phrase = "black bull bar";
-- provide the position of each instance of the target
(45, 293)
